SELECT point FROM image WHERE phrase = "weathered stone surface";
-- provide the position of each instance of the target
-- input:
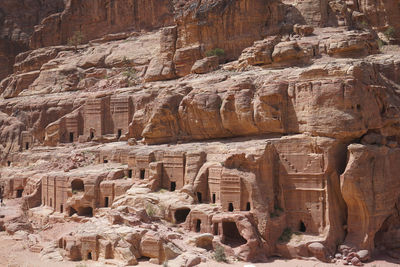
(363, 255)
(119, 150)
(184, 59)
(204, 241)
(34, 59)
(193, 261)
(14, 85)
(380, 15)
(356, 262)
(205, 65)
(370, 191)
(17, 21)
(260, 53)
(151, 246)
(319, 251)
(229, 25)
(303, 30)
(99, 17)
(351, 44)
(290, 53)
(161, 67)
(323, 13)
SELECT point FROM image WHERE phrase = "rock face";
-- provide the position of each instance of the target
(178, 130)
(382, 15)
(371, 193)
(17, 21)
(229, 25)
(93, 17)
(205, 65)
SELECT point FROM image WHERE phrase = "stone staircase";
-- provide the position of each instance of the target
(288, 163)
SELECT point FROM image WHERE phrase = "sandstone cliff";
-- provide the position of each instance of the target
(17, 21)
(167, 130)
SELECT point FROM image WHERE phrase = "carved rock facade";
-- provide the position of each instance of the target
(174, 127)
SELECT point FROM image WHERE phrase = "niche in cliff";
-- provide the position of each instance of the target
(231, 235)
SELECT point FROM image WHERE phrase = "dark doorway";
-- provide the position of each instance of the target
(142, 173)
(61, 208)
(181, 215)
(71, 137)
(143, 259)
(173, 186)
(248, 207)
(108, 253)
(213, 198)
(230, 207)
(199, 197)
(106, 202)
(119, 133)
(8, 163)
(51, 202)
(89, 256)
(302, 227)
(26, 145)
(198, 226)
(231, 235)
(85, 211)
(72, 211)
(105, 160)
(19, 193)
(77, 186)
(130, 173)
(215, 228)
(91, 135)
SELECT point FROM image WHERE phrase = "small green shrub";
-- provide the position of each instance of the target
(162, 210)
(165, 264)
(389, 33)
(162, 190)
(150, 210)
(277, 211)
(364, 24)
(219, 254)
(126, 62)
(215, 52)
(286, 235)
(76, 39)
(81, 265)
(278, 208)
(273, 215)
(130, 73)
(381, 43)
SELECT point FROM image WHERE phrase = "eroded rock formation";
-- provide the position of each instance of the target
(167, 130)
(17, 21)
